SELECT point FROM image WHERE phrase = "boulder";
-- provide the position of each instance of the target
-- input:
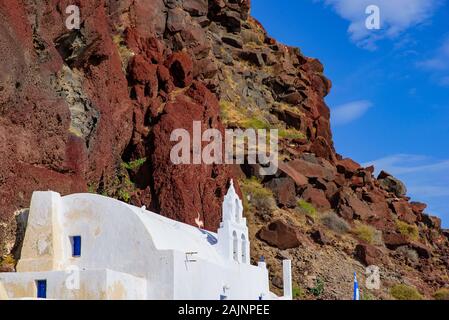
(323, 127)
(277, 85)
(195, 7)
(231, 20)
(290, 171)
(340, 180)
(320, 237)
(251, 36)
(369, 255)
(431, 221)
(205, 68)
(422, 250)
(391, 184)
(292, 119)
(278, 282)
(347, 166)
(181, 69)
(293, 98)
(194, 39)
(142, 71)
(357, 181)
(144, 78)
(232, 41)
(284, 191)
(202, 21)
(418, 207)
(330, 188)
(315, 65)
(445, 232)
(241, 6)
(316, 197)
(253, 57)
(322, 148)
(176, 20)
(370, 169)
(164, 79)
(150, 17)
(349, 206)
(383, 218)
(374, 196)
(311, 169)
(321, 184)
(394, 240)
(279, 234)
(404, 211)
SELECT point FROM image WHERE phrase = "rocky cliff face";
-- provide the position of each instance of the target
(93, 109)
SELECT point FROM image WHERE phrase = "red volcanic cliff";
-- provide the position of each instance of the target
(92, 110)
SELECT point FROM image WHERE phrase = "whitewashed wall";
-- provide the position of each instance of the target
(205, 280)
(93, 285)
(3, 294)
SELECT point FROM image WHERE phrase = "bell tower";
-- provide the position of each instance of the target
(233, 241)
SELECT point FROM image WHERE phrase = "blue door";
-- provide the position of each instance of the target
(41, 289)
(76, 246)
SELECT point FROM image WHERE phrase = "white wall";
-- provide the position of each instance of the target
(93, 285)
(41, 247)
(3, 294)
(112, 237)
(203, 280)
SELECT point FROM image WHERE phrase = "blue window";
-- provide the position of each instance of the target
(41, 288)
(76, 246)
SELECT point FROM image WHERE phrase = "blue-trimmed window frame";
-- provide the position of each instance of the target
(76, 246)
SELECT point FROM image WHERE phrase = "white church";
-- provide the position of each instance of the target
(86, 246)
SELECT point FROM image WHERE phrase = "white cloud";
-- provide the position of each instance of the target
(412, 91)
(430, 191)
(438, 64)
(396, 17)
(349, 112)
(390, 163)
(409, 164)
(444, 81)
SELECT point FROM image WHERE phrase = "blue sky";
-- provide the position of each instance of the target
(390, 96)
